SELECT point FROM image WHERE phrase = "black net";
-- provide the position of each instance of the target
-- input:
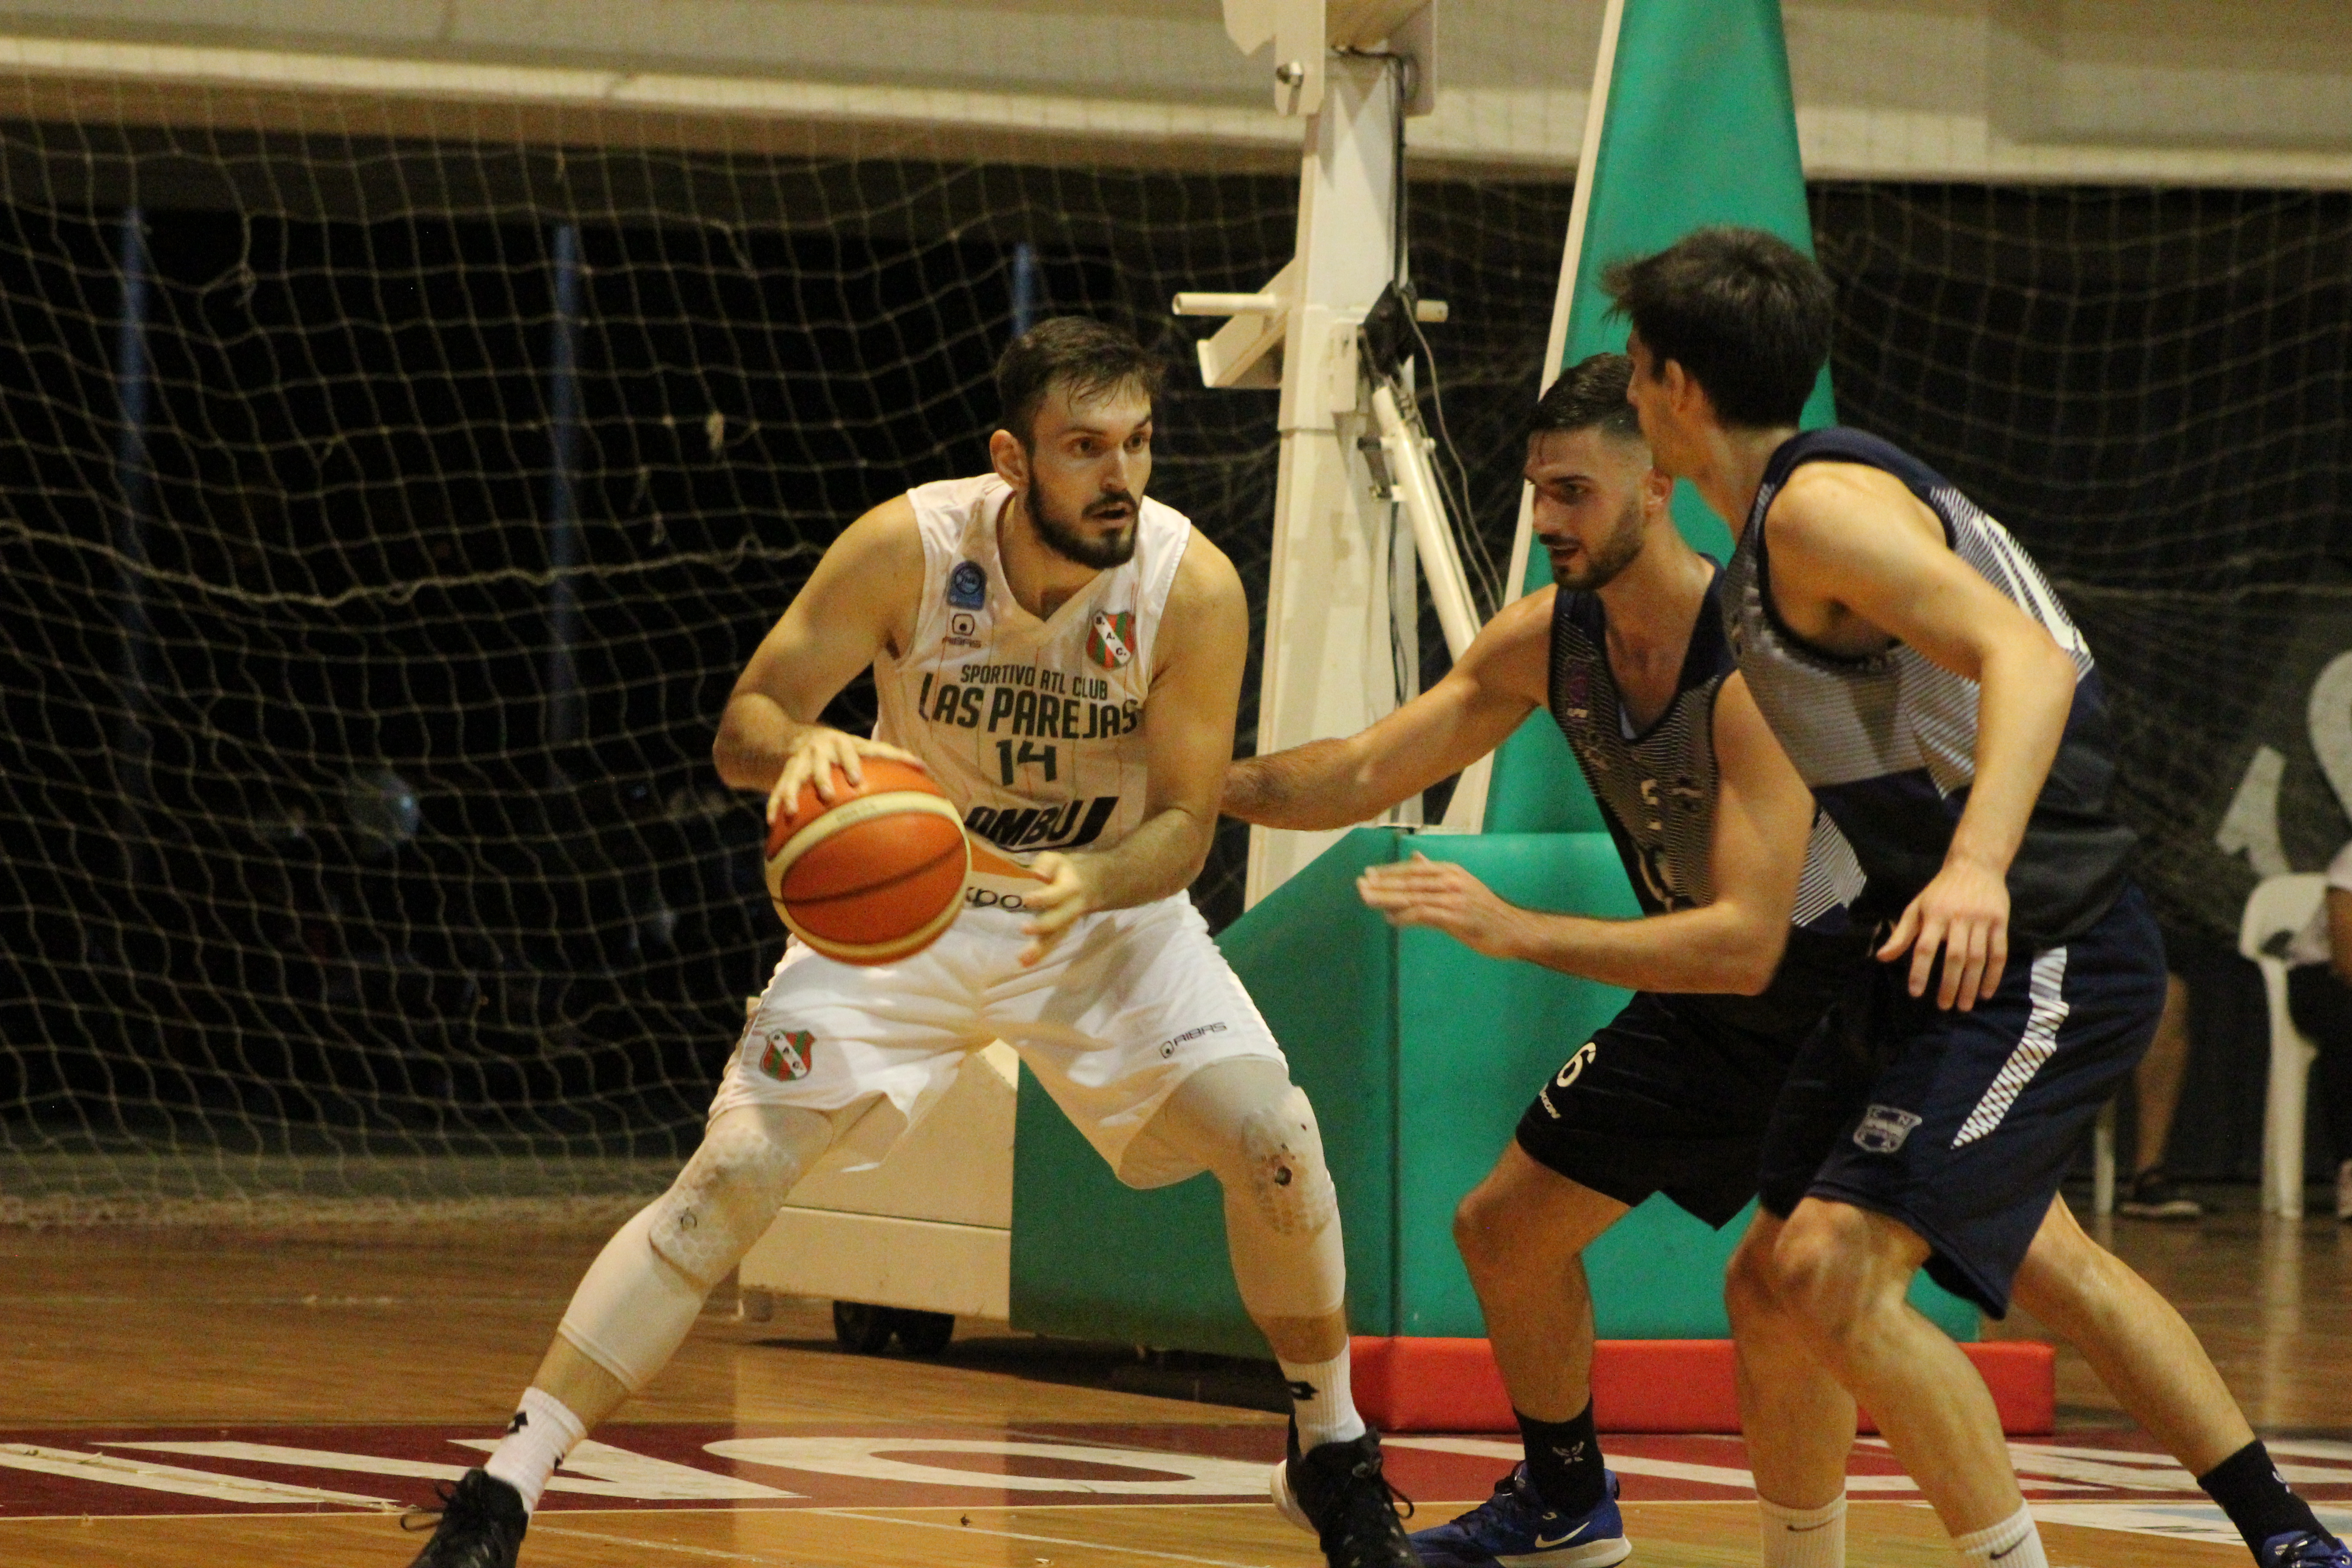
(384, 526)
(2149, 387)
(385, 523)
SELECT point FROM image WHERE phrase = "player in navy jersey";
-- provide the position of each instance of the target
(1930, 687)
(1744, 945)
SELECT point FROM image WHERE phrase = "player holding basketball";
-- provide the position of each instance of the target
(1928, 686)
(1064, 657)
(1744, 886)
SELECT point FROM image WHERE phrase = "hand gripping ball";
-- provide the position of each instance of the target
(876, 877)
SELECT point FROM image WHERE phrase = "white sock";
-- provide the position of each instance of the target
(1804, 1537)
(2012, 1543)
(540, 1433)
(1320, 1397)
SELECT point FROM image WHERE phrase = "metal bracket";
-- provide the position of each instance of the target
(1246, 352)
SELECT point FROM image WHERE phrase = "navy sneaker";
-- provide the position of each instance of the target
(1337, 1493)
(1514, 1529)
(2305, 1549)
(480, 1524)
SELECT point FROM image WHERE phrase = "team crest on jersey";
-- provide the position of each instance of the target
(967, 586)
(1111, 642)
(1576, 694)
(788, 1053)
(1884, 1128)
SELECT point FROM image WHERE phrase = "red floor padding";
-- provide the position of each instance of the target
(1639, 1385)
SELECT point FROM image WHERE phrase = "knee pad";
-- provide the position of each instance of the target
(1288, 1181)
(632, 1310)
(723, 1201)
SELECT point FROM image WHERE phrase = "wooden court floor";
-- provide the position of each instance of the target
(210, 1398)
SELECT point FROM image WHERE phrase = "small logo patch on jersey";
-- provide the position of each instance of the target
(1111, 643)
(967, 586)
(1884, 1128)
(1576, 694)
(964, 625)
(788, 1053)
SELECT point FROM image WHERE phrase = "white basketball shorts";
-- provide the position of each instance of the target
(1124, 1008)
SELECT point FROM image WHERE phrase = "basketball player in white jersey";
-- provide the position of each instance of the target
(1064, 657)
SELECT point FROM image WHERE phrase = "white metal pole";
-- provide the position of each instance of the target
(1329, 668)
(1467, 812)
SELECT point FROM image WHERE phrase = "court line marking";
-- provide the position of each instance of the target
(109, 1469)
(1047, 1539)
(711, 1551)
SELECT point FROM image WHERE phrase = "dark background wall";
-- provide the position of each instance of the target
(383, 524)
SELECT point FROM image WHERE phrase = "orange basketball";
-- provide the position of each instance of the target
(876, 877)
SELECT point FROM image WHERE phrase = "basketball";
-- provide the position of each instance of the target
(877, 876)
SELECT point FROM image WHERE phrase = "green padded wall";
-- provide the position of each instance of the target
(1475, 1037)
(1419, 1055)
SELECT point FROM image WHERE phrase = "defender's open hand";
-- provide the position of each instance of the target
(1440, 894)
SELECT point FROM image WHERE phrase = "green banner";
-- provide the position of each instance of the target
(1699, 129)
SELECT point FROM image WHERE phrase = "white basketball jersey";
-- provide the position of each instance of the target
(1034, 728)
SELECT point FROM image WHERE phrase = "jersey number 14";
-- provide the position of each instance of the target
(1007, 759)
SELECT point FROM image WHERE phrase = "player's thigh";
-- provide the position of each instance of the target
(1525, 1214)
(1141, 1002)
(837, 1039)
(1663, 1097)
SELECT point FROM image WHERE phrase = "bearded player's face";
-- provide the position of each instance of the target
(1088, 462)
(1593, 495)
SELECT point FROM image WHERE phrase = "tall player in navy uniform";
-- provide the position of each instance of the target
(1064, 657)
(1925, 680)
(1742, 884)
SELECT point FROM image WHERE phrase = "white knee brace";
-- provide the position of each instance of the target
(642, 1295)
(1282, 1221)
(723, 1201)
(1288, 1181)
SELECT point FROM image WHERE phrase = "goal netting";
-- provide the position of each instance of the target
(382, 527)
(2149, 387)
(383, 524)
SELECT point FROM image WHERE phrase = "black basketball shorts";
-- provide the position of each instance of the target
(1668, 1096)
(1960, 1125)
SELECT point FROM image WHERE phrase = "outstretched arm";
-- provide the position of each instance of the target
(848, 611)
(1188, 734)
(1333, 783)
(1763, 822)
(1856, 539)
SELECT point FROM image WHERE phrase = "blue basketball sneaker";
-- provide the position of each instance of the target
(2305, 1549)
(1514, 1529)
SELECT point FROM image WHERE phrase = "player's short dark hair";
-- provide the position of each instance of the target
(1589, 396)
(1745, 313)
(1077, 353)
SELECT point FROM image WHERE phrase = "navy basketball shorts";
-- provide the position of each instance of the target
(1960, 1125)
(1668, 1096)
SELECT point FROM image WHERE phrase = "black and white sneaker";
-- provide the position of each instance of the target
(1336, 1492)
(2152, 1195)
(480, 1524)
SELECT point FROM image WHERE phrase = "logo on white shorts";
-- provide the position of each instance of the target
(1168, 1047)
(788, 1053)
(1884, 1128)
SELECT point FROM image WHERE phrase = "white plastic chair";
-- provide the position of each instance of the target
(2281, 904)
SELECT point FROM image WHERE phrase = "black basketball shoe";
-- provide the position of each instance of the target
(480, 1524)
(1336, 1492)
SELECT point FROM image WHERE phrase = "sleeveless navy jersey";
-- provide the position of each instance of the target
(1888, 741)
(1657, 791)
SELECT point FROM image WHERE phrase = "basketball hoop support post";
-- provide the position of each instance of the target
(1342, 606)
